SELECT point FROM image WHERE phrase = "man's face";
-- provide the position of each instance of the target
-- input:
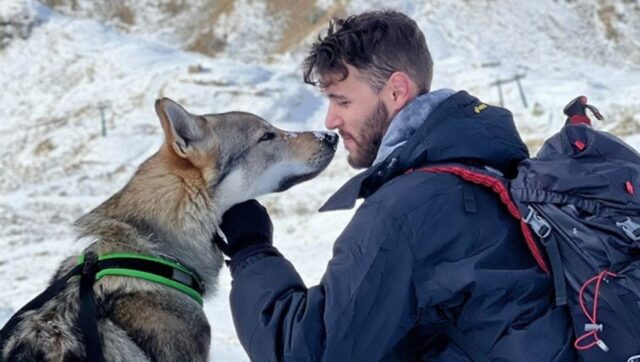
(359, 114)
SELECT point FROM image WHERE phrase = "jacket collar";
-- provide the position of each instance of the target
(367, 182)
(408, 120)
(460, 129)
(392, 158)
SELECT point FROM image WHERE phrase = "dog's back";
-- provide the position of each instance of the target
(137, 320)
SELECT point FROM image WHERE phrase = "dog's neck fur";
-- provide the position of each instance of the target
(165, 209)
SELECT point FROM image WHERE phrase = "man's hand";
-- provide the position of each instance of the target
(246, 226)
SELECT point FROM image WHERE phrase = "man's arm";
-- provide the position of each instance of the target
(363, 306)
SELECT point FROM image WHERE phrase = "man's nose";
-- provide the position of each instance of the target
(333, 119)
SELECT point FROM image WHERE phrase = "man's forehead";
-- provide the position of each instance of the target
(333, 92)
(333, 84)
(327, 81)
(339, 75)
(328, 86)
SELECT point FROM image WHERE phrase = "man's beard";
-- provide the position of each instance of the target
(370, 137)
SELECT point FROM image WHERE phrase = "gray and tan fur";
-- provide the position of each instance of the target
(171, 207)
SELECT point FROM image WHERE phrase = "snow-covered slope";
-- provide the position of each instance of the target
(59, 67)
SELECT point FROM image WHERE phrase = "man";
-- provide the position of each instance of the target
(430, 267)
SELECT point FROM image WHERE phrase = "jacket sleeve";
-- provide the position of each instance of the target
(364, 304)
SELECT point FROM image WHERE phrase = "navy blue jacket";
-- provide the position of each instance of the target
(423, 250)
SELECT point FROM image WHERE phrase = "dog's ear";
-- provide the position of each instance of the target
(180, 127)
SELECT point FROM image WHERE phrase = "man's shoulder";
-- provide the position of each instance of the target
(415, 189)
(419, 194)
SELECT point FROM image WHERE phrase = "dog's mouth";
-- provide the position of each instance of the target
(290, 181)
(318, 163)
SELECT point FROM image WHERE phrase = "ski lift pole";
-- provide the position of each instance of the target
(102, 106)
(498, 83)
(517, 78)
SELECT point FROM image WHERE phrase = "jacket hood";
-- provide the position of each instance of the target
(408, 120)
(461, 129)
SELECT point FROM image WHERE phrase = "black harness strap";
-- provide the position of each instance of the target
(87, 270)
(152, 267)
(87, 319)
(54, 289)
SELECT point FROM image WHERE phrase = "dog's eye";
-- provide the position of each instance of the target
(267, 136)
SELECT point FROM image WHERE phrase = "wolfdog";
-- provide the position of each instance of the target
(170, 209)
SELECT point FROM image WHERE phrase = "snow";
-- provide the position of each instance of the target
(55, 165)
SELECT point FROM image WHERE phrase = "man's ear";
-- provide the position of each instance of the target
(181, 128)
(402, 90)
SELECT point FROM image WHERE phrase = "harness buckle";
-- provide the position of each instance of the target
(630, 228)
(540, 226)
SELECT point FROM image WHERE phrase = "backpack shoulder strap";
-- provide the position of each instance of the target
(500, 186)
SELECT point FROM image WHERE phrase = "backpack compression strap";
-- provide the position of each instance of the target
(498, 187)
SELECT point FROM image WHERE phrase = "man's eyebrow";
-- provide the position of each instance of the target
(339, 97)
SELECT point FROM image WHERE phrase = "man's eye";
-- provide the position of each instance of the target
(343, 103)
(267, 136)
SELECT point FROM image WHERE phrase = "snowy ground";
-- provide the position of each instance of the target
(55, 165)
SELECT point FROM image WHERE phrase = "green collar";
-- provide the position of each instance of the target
(155, 269)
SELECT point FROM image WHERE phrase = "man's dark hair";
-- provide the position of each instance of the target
(377, 43)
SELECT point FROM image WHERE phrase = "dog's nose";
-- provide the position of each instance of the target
(330, 138)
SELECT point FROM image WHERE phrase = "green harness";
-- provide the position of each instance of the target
(91, 268)
(155, 269)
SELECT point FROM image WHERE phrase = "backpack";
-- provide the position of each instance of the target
(579, 211)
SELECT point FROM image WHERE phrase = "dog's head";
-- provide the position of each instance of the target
(241, 156)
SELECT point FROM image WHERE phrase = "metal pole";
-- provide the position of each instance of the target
(102, 106)
(524, 99)
(499, 84)
(104, 125)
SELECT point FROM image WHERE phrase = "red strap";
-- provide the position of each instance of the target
(593, 315)
(578, 118)
(499, 188)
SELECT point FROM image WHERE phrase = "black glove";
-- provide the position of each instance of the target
(246, 226)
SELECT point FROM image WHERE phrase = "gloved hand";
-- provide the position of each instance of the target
(247, 226)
